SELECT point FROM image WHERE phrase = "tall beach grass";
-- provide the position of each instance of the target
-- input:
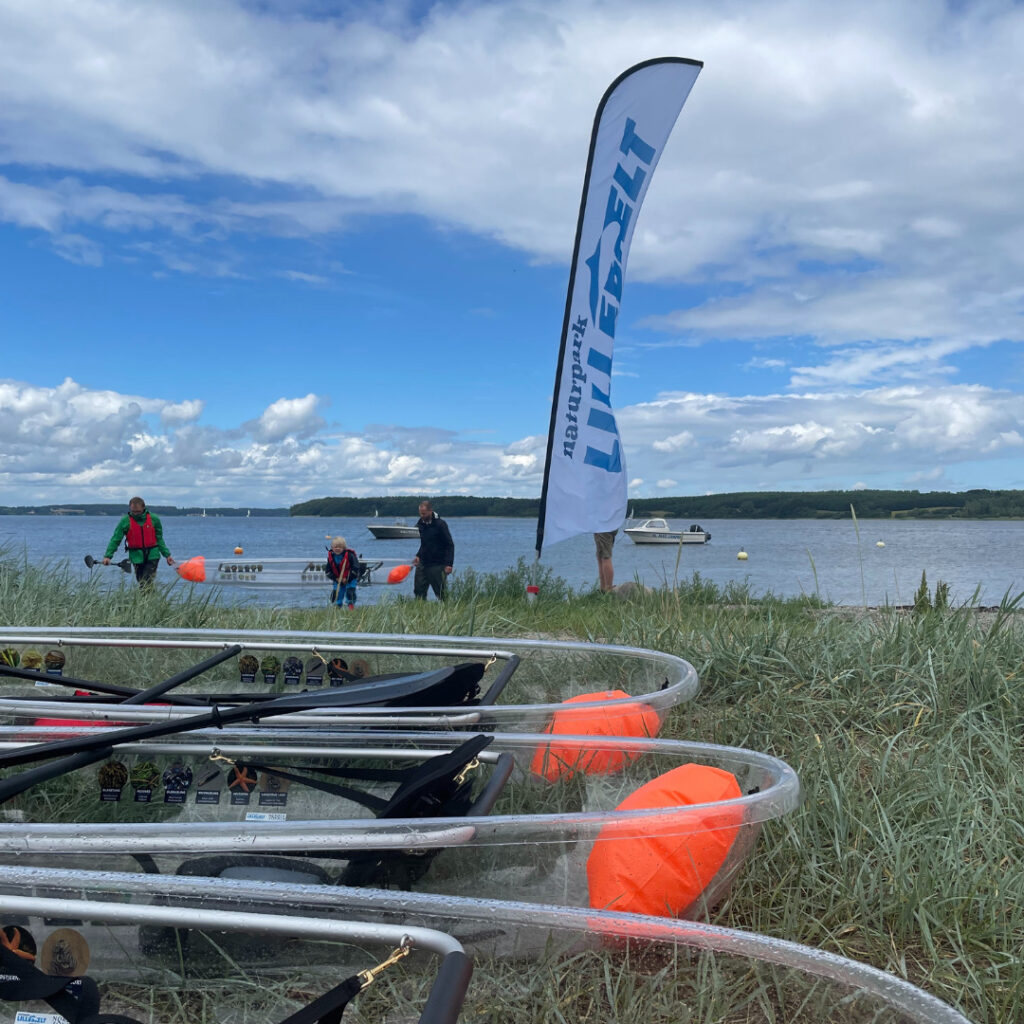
(904, 725)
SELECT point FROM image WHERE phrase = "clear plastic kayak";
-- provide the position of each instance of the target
(651, 826)
(96, 675)
(119, 957)
(530, 962)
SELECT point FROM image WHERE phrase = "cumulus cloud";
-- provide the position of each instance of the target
(288, 417)
(90, 445)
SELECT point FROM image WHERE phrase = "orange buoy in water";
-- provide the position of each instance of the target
(238, 551)
(193, 569)
(661, 867)
(631, 718)
(398, 573)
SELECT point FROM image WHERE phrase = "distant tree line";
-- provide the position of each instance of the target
(406, 505)
(867, 504)
(121, 508)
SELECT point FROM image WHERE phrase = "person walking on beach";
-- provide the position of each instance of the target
(436, 555)
(143, 536)
(343, 569)
(604, 542)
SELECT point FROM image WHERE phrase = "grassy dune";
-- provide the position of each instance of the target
(905, 729)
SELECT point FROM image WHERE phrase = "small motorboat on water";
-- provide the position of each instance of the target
(397, 530)
(521, 685)
(155, 945)
(657, 531)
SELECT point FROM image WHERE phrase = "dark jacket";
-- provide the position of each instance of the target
(436, 544)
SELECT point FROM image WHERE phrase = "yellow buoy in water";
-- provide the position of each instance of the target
(238, 551)
(742, 556)
(879, 543)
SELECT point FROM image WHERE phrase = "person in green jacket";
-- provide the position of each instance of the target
(144, 538)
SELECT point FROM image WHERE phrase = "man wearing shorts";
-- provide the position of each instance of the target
(604, 543)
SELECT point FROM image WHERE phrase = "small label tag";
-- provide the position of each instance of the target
(248, 677)
(273, 799)
(175, 796)
(26, 1017)
(143, 795)
(314, 680)
(292, 680)
(110, 795)
(265, 816)
(238, 797)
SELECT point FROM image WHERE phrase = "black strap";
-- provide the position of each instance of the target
(415, 782)
(329, 1007)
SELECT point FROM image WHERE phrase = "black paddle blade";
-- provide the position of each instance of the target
(90, 561)
(125, 565)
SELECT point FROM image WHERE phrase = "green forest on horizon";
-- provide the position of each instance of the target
(867, 504)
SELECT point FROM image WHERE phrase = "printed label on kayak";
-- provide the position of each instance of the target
(265, 816)
(273, 799)
(25, 1017)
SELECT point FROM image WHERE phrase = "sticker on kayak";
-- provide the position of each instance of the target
(265, 816)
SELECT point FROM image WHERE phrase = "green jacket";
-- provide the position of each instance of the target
(138, 555)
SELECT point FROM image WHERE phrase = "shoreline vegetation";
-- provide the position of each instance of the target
(903, 725)
(867, 504)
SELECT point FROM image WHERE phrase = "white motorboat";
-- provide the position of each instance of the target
(398, 530)
(657, 531)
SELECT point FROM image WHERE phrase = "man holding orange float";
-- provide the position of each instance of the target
(436, 555)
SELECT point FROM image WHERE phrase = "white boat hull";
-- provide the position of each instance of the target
(667, 537)
(394, 532)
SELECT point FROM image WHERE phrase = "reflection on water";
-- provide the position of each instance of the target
(786, 557)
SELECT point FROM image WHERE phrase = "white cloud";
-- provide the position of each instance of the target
(288, 417)
(95, 445)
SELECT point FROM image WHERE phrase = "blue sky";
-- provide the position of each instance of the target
(252, 253)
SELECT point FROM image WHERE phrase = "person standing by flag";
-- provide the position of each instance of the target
(143, 535)
(436, 555)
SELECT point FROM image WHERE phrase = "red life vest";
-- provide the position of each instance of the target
(339, 567)
(140, 535)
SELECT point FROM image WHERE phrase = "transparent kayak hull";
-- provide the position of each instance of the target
(524, 685)
(533, 961)
(543, 816)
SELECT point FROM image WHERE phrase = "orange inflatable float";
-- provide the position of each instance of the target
(398, 573)
(193, 569)
(554, 760)
(661, 867)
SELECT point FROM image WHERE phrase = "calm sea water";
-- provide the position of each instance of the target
(785, 557)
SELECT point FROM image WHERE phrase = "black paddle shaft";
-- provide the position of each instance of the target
(183, 677)
(349, 696)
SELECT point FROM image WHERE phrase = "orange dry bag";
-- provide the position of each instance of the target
(399, 573)
(630, 718)
(660, 867)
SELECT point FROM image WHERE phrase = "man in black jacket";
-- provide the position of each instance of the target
(434, 559)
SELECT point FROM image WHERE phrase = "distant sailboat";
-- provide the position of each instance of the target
(248, 514)
(202, 515)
